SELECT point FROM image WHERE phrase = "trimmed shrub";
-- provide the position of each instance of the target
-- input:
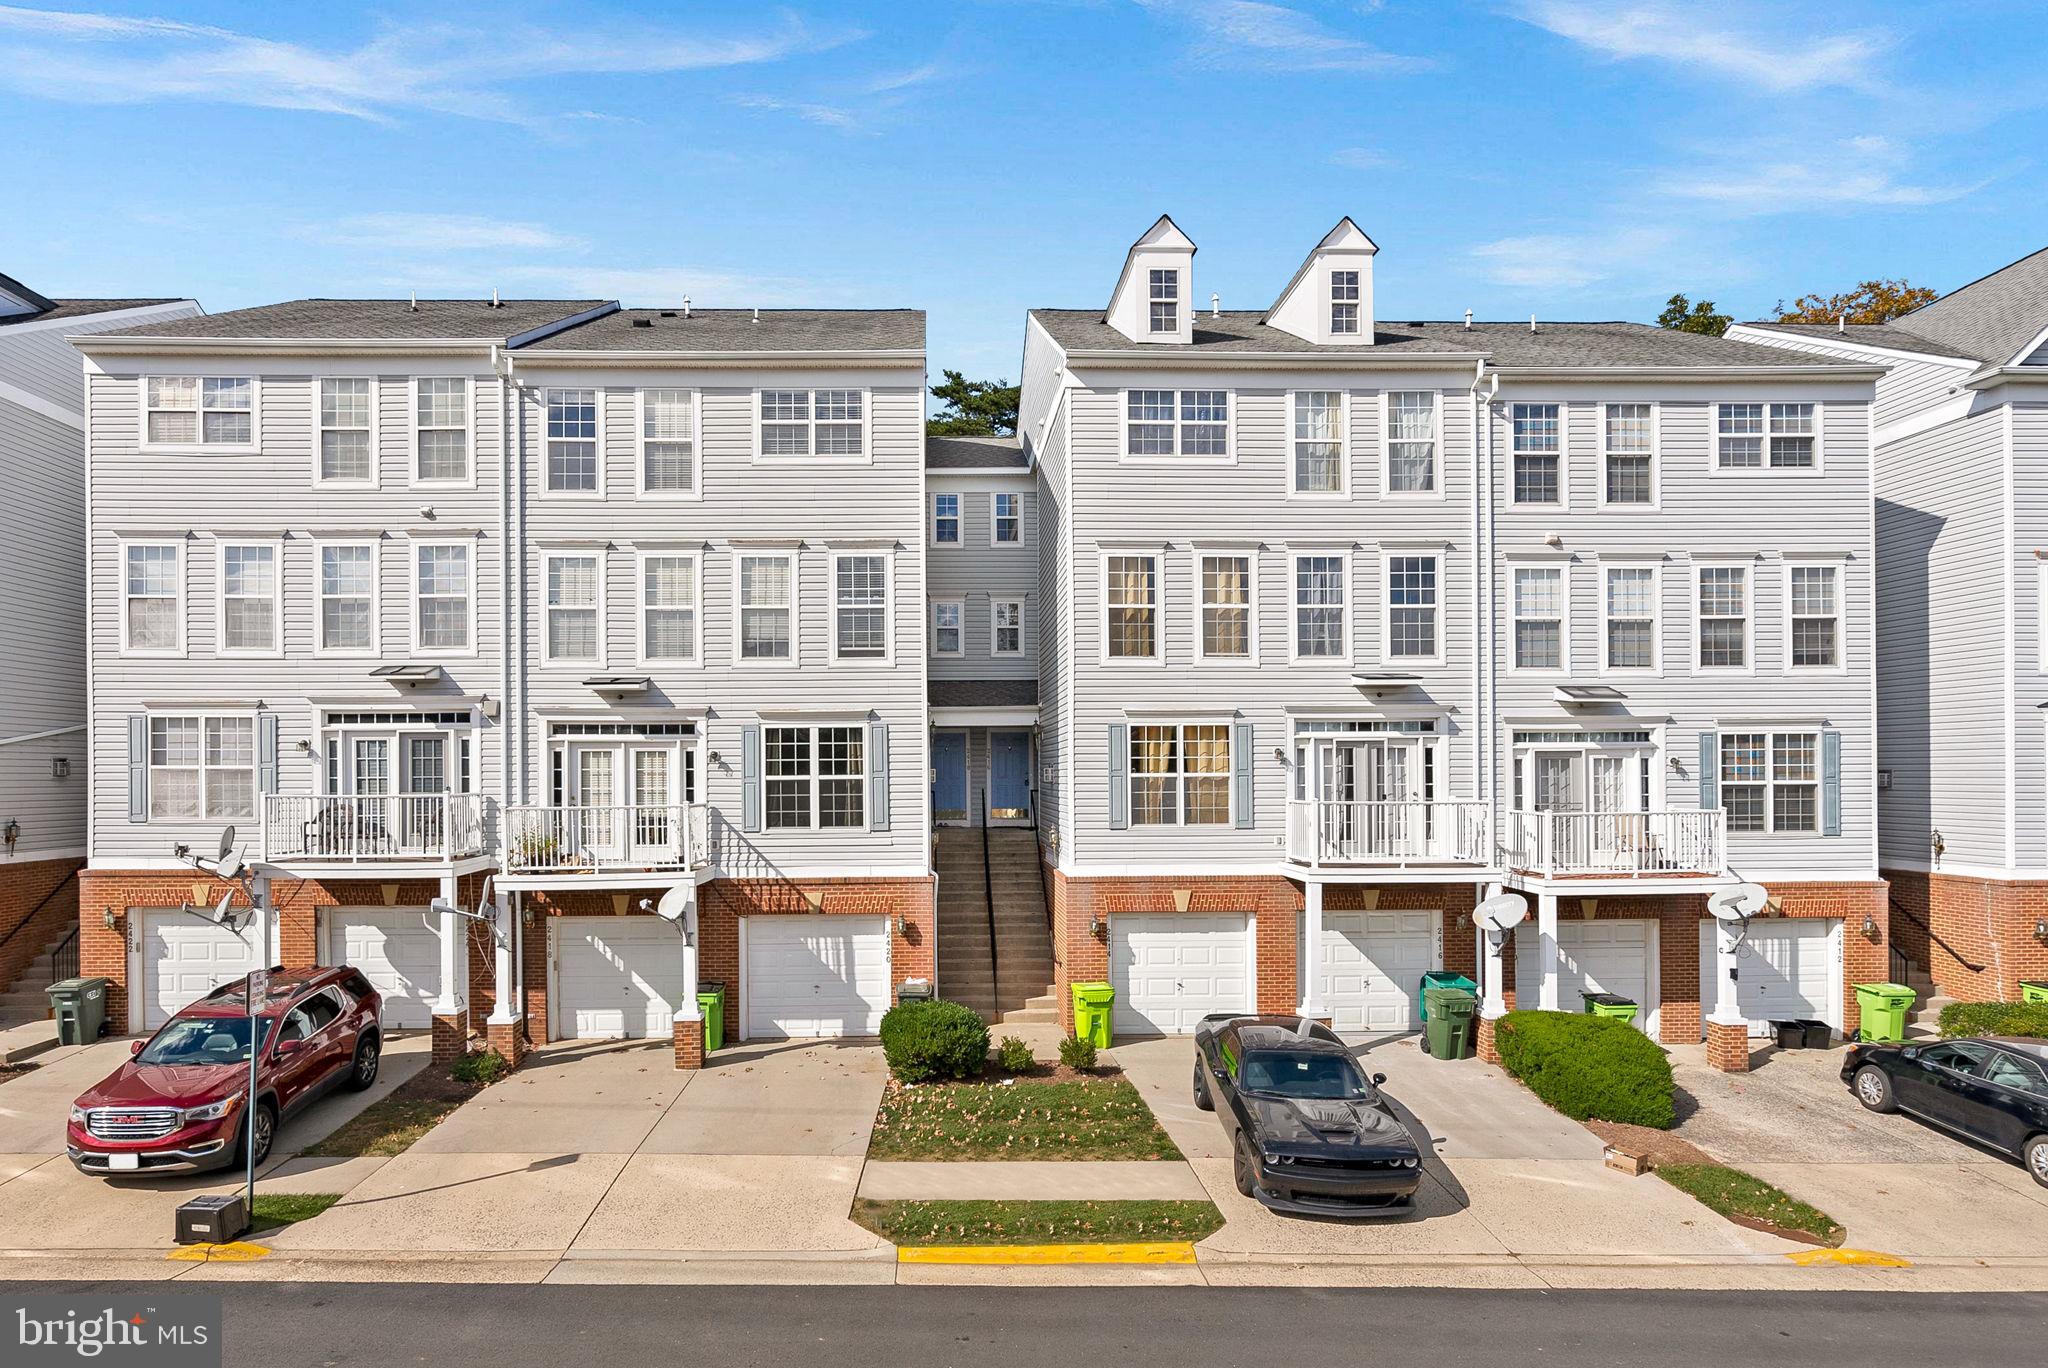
(1014, 1055)
(1588, 1067)
(1994, 1018)
(480, 1066)
(1077, 1053)
(927, 1040)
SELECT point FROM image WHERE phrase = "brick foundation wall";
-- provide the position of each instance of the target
(1728, 1047)
(38, 903)
(688, 1040)
(1982, 942)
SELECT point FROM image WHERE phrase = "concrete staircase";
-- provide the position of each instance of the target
(1923, 1022)
(26, 998)
(1010, 979)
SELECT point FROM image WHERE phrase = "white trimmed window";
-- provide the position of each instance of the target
(1344, 303)
(573, 609)
(946, 519)
(1629, 444)
(1411, 442)
(199, 411)
(766, 591)
(668, 441)
(1322, 606)
(248, 599)
(1770, 781)
(1766, 436)
(1131, 607)
(819, 423)
(153, 598)
(1539, 604)
(949, 627)
(443, 602)
(816, 777)
(1814, 605)
(441, 429)
(1227, 603)
(1319, 442)
(1631, 617)
(1177, 423)
(347, 455)
(202, 768)
(572, 441)
(1006, 515)
(1412, 607)
(1538, 453)
(668, 608)
(860, 606)
(1723, 603)
(1180, 775)
(1008, 623)
(347, 590)
(1164, 299)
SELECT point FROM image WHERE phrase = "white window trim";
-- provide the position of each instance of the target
(469, 546)
(202, 716)
(376, 437)
(795, 563)
(412, 401)
(1180, 305)
(1656, 667)
(1564, 456)
(179, 545)
(548, 658)
(696, 490)
(1181, 775)
(1158, 656)
(1387, 559)
(888, 559)
(867, 433)
(815, 779)
(1563, 566)
(1770, 783)
(1229, 456)
(1343, 659)
(1820, 459)
(200, 448)
(1748, 568)
(1357, 301)
(375, 548)
(545, 471)
(1434, 494)
(1835, 565)
(932, 627)
(995, 651)
(931, 530)
(1250, 556)
(1343, 490)
(220, 598)
(1656, 463)
(994, 494)
(640, 609)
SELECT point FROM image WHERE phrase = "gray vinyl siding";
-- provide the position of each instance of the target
(1909, 384)
(2029, 457)
(42, 563)
(1054, 644)
(51, 810)
(38, 359)
(978, 574)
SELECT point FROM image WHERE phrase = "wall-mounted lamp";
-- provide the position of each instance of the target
(1095, 927)
(1280, 754)
(1870, 931)
(903, 925)
(525, 915)
(2041, 930)
(305, 746)
(1676, 767)
(1939, 845)
(11, 833)
(60, 767)
(107, 917)
(715, 759)
(488, 706)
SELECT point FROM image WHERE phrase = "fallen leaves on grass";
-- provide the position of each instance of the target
(392, 1125)
(1009, 1223)
(1750, 1201)
(1071, 1119)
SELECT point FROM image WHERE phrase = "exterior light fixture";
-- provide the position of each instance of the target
(2041, 929)
(107, 917)
(1870, 931)
(11, 833)
(1095, 927)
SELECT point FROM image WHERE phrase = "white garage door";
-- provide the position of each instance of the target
(1592, 956)
(616, 978)
(399, 951)
(816, 976)
(1373, 963)
(184, 959)
(1171, 971)
(1785, 969)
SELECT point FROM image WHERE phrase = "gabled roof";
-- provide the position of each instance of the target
(1990, 318)
(29, 298)
(1888, 335)
(1346, 236)
(1163, 235)
(974, 453)
(82, 308)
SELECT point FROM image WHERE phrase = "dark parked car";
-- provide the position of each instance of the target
(1993, 1090)
(1309, 1133)
(177, 1106)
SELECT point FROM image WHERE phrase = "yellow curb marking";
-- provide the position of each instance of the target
(237, 1251)
(1162, 1252)
(1862, 1258)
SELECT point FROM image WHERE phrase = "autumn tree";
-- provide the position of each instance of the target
(1685, 316)
(1874, 301)
(974, 408)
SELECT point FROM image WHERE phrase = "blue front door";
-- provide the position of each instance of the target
(949, 776)
(1010, 775)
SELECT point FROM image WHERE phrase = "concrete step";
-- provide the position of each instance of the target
(1026, 1016)
(18, 1003)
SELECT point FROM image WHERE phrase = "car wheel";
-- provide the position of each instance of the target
(1242, 1169)
(2035, 1152)
(362, 1073)
(1874, 1089)
(1202, 1098)
(266, 1131)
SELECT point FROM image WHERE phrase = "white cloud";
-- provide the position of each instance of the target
(440, 233)
(1573, 261)
(860, 106)
(1692, 36)
(1361, 159)
(1854, 173)
(1249, 34)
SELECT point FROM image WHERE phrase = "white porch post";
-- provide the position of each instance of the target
(454, 999)
(1727, 1006)
(1312, 952)
(1546, 934)
(506, 998)
(687, 1009)
(1493, 1002)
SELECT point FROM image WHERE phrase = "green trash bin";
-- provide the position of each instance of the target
(711, 1006)
(1610, 1005)
(2034, 990)
(1443, 978)
(1448, 1033)
(1883, 1007)
(80, 1006)
(1092, 1004)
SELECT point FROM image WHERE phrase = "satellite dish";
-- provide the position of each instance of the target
(1501, 912)
(1738, 904)
(221, 913)
(674, 905)
(229, 866)
(227, 842)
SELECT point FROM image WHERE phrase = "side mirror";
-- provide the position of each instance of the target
(1378, 1079)
(135, 1046)
(288, 1047)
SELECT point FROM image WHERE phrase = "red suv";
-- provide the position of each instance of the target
(177, 1105)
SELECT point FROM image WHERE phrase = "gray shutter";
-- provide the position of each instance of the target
(266, 753)
(1710, 770)
(1119, 776)
(750, 778)
(1241, 772)
(138, 768)
(1830, 783)
(878, 776)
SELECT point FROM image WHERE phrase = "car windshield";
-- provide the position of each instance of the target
(1308, 1074)
(202, 1040)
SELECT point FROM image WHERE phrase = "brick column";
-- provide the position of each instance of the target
(1485, 1046)
(508, 1038)
(1728, 1046)
(451, 1037)
(689, 1044)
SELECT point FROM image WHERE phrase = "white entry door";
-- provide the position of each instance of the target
(815, 976)
(1592, 956)
(1170, 971)
(183, 958)
(1372, 968)
(399, 951)
(616, 978)
(1785, 970)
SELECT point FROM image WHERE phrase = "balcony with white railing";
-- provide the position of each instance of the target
(1393, 835)
(572, 839)
(372, 828)
(1662, 843)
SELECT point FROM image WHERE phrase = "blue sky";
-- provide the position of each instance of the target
(1573, 158)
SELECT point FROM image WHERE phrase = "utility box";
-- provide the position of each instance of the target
(1093, 1003)
(914, 990)
(80, 1006)
(213, 1220)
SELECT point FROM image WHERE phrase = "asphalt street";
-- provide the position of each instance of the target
(281, 1325)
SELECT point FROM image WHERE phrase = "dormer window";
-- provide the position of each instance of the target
(1165, 301)
(1344, 303)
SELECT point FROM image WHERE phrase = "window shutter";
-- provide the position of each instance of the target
(138, 768)
(1710, 770)
(266, 753)
(750, 778)
(1830, 783)
(1119, 776)
(878, 776)
(1241, 771)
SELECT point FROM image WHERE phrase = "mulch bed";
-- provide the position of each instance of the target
(10, 1072)
(1654, 1147)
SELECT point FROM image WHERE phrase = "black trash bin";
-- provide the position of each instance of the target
(1791, 1034)
(80, 1006)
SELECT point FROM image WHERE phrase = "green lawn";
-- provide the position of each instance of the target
(1097, 1118)
(1733, 1193)
(1012, 1223)
(391, 1126)
(274, 1209)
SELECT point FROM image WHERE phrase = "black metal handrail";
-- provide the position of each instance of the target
(1935, 936)
(64, 957)
(15, 930)
(988, 897)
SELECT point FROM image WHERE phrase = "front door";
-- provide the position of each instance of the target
(594, 805)
(1009, 779)
(656, 820)
(1618, 834)
(422, 812)
(1557, 786)
(949, 777)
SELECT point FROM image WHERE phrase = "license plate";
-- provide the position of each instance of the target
(124, 1161)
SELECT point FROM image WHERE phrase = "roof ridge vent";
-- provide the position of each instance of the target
(1532, 322)
(1842, 323)
(414, 306)
(686, 306)
(757, 313)
(1468, 320)
(1215, 305)
(496, 303)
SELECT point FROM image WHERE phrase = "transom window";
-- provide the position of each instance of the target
(1770, 781)
(767, 594)
(202, 767)
(153, 601)
(1344, 303)
(668, 607)
(860, 606)
(1007, 512)
(1131, 591)
(1816, 610)
(1227, 607)
(1180, 775)
(1538, 453)
(813, 422)
(668, 441)
(1411, 442)
(946, 519)
(1411, 607)
(1177, 423)
(348, 595)
(572, 609)
(1631, 617)
(1724, 617)
(572, 441)
(1539, 617)
(948, 627)
(1758, 436)
(248, 599)
(1628, 430)
(816, 777)
(345, 452)
(441, 419)
(1164, 299)
(1318, 442)
(1009, 627)
(1322, 595)
(442, 596)
(191, 410)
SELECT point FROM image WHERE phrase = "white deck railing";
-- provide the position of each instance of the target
(1407, 833)
(1661, 842)
(581, 837)
(364, 828)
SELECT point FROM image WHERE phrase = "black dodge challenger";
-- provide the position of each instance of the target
(1309, 1133)
(1992, 1089)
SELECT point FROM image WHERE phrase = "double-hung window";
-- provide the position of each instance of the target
(946, 519)
(346, 453)
(1318, 442)
(1322, 606)
(1412, 607)
(202, 768)
(1177, 423)
(347, 592)
(1008, 623)
(1723, 603)
(1344, 303)
(1131, 600)
(153, 598)
(1631, 616)
(1180, 775)
(574, 614)
(1411, 442)
(248, 599)
(1629, 431)
(441, 429)
(1539, 604)
(816, 777)
(1006, 519)
(1770, 781)
(1227, 603)
(668, 441)
(766, 590)
(668, 608)
(949, 627)
(828, 423)
(1814, 607)
(442, 597)
(1538, 453)
(199, 411)
(1760, 436)
(572, 441)
(860, 606)
(1164, 301)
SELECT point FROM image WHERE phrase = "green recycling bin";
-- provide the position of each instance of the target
(2034, 990)
(1448, 1033)
(1883, 1007)
(1092, 1004)
(711, 1006)
(1610, 1005)
(1443, 978)
(80, 1006)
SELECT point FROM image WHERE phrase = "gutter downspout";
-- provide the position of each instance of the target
(502, 365)
(1483, 700)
